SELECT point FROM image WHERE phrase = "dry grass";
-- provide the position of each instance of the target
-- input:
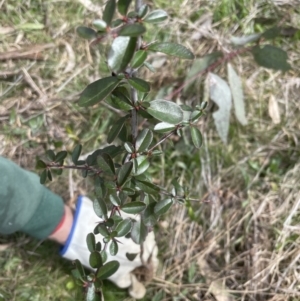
(241, 241)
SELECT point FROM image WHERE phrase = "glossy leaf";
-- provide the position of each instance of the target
(172, 49)
(156, 16)
(60, 156)
(95, 259)
(123, 227)
(164, 127)
(109, 11)
(105, 162)
(143, 140)
(108, 269)
(121, 53)
(139, 84)
(139, 58)
(139, 232)
(100, 208)
(115, 129)
(114, 199)
(149, 216)
(271, 57)
(103, 254)
(40, 164)
(76, 153)
(43, 176)
(196, 137)
(133, 207)
(97, 91)
(91, 242)
(147, 187)
(86, 32)
(220, 93)
(124, 173)
(236, 87)
(166, 111)
(101, 25)
(118, 103)
(131, 256)
(113, 248)
(129, 147)
(143, 11)
(163, 206)
(50, 154)
(140, 165)
(132, 30)
(123, 6)
(79, 267)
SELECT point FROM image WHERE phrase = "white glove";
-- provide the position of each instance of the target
(85, 220)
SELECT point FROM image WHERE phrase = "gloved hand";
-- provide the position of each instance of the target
(85, 221)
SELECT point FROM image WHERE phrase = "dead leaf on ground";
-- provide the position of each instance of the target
(274, 111)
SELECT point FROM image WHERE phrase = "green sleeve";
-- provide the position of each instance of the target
(25, 204)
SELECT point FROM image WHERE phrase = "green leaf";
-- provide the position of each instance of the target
(166, 111)
(50, 154)
(97, 91)
(163, 206)
(149, 66)
(106, 163)
(114, 199)
(139, 84)
(91, 242)
(143, 140)
(115, 129)
(95, 260)
(139, 232)
(102, 229)
(132, 30)
(113, 248)
(241, 41)
(143, 11)
(76, 274)
(164, 127)
(100, 208)
(119, 100)
(272, 33)
(149, 217)
(156, 16)
(43, 176)
(123, 227)
(109, 11)
(271, 57)
(40, 164)
(133, 207)
(124, 173)
(103, 254)
(100, 25)
(60, 156)
(140, 165)
(147, 187)
(108, 269)
(196, 136)
(172, 49)
(237, 94)
(129, 147)
(86, 32)
(79, 267)
(121, 53)
(49, 175)
(131, 256)
(139, 58)
(123, 6)
(76, 153)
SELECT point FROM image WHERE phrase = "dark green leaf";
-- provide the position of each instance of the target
(133, 207)
(271, 57)
(86, 32)
(40, 164)
(43, 176)
(106, 163)
(139, 58)
(147, 187)
(103, 254)
(120, 99)
(91, 242)
(116, 23)
(98, 246)
(172, 49)
(97, 91)
(129, 147)
(95, 260)
(76, 274)
(123, 227)
(166, 111)
(49, 175)
(50, 154)
(164, 127)
(114, 199)
(123, 135)
(140, 165)
(102, 229)
(149, 216)
(128, 190)
(132, 14)
(272, 33)
(163, 206)
(113, 248)
(139, 84)
(109, 11)
(76, 153)
(79, 267)
(115, 129)
(143, 11)
(100, 208)
(100, 25)
(179, 191)
(196, 137)
(143, 140)
(108, 269)
(139, 232)
(132, 30)
(60, 156)
(121, 53)
(123, 6)
(196, 115)
(84, 173)
(124, 173)
(131, 256)
(156, 16)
